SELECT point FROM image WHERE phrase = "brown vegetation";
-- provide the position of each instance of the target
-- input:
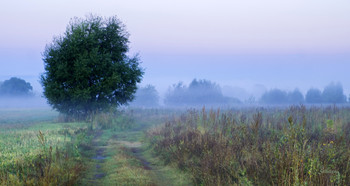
(295, 146)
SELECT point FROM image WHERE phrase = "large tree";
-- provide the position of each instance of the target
(87, 68)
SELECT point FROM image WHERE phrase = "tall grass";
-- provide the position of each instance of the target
(294, 146)
(35, 153)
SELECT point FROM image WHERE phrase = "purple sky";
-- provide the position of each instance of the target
(284, 44)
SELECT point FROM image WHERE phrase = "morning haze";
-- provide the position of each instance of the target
(239, 45)
(185, 92)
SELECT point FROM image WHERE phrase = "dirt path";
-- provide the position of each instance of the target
(96, 174)
(122, 158)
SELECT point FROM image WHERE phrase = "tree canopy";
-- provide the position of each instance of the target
(15, 87)
(87, 68)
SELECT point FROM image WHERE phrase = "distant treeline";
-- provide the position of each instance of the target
(197, 93)
(205, 92)
(15, 87)
(332, 93)
(200, 92)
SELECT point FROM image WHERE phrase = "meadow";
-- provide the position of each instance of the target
(294, 145)
(36, 149)
(258, 146)
(41, 147)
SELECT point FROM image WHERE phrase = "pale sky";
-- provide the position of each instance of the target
(279, 44)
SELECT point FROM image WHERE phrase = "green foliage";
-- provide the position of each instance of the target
(15, 87)
(87, 69)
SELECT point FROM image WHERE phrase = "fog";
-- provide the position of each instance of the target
(23, 102)
(247, 48)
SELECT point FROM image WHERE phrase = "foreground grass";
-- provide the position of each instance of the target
(34, 150)
(295, 146)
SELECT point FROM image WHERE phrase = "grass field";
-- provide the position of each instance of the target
(37, 150)
(275, 146)
(247, 146)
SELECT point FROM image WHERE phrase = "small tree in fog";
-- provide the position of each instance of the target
(313, 96)
(176, 95)
(333, 93)
(295, 97)
(274, 96)
(146, 97)
(15, 87)
(198, 93)
(88, 70)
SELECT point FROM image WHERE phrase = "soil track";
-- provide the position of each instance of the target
(99, 158)
(122, 158)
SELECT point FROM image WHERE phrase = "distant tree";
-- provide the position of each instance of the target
(87, 69)
(274, 96)
(198, 93)
(313, 95)
(15, 87)
(333, 93)
(295, 97)
(176, 95)
(146, 96)
(204, 91)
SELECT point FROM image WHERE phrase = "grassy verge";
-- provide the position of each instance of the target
(295, 146)
(37, 151)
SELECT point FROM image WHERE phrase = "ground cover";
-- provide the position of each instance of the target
(275, 146)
